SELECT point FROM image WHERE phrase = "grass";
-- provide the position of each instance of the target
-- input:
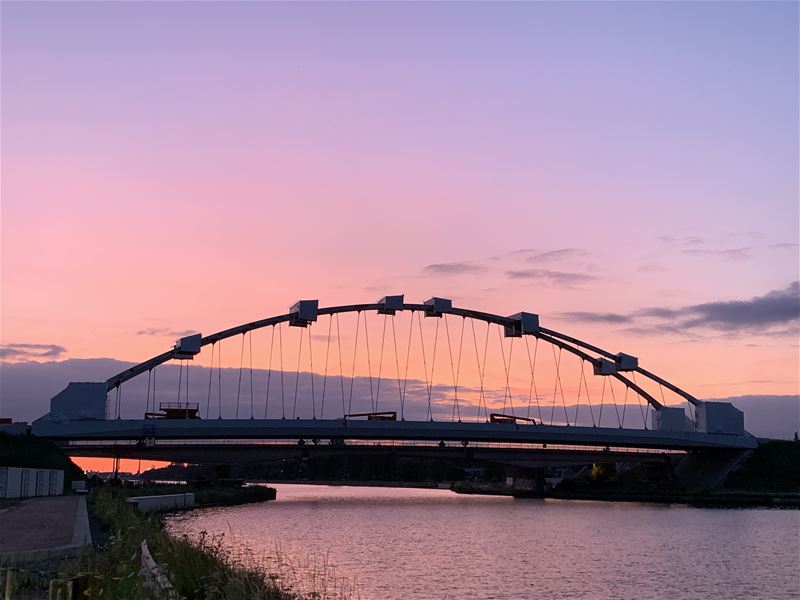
(197, 569)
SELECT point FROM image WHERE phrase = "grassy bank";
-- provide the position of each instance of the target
(769, 477)
(196, 570)
(208, 495)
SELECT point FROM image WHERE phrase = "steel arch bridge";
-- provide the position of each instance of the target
(476, 398)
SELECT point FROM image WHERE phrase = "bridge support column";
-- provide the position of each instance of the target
(704, 470)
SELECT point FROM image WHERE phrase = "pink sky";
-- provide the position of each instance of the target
(175, 166)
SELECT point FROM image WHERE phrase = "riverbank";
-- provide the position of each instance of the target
(770, 477)
(721, 499)
(191, 569)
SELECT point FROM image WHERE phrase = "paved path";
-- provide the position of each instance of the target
(43, 527)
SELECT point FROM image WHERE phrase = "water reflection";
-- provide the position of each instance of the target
(412, 543)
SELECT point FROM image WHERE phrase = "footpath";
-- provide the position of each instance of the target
(42, 530)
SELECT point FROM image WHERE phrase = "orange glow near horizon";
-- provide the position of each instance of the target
(106, 465)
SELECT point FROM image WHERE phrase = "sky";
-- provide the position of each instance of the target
(628, 171)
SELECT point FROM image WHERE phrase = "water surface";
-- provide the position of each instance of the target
(412, 543)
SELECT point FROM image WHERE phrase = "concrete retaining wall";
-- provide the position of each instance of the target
(163, 502)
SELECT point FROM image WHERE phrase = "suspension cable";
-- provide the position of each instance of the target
(481, 371)
(429, 383)
(397, 365)
(369, 364)
(353, 371)
(424, 365)
(555, 386)
(241, 367)
(561, 387)
(578, 401)
(507, 369)
(639, 397)
(602, 403)
(297, 375)
(252, 401)
(614, 400)
(154, 388)
(280, 352)
(311, 373)
(380, 365)
(325, 376)
(341, 369)
(405, 378)
(455, 371)
(210, 376)
(532, 364)
(588, 396)
(180, 380)
(269, 370)
(625, 405)
(147, 407)
(219, 381)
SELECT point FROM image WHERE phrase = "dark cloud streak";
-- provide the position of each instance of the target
(165, 332)
(769, 314)
(455, 268)
(558, 277)
(25, 352)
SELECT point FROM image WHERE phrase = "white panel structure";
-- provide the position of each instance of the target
(670, 419)
(303, 313)
(16, 482)
(523, 323)
(56, 483)
(719, 417)
(79, 401)
(188, 346)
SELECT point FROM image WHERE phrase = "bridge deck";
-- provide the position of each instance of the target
(284, 429)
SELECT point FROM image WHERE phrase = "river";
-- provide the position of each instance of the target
(399, 543)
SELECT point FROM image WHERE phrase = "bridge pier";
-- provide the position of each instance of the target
(704, 470)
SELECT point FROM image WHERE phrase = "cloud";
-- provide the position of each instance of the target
(590, 317)
(455, 268)
(27, 352)
(734, 254)
(689, 240)
(651, 268)
(775, 313)
(558, 277)
(555, 255)
(778, 307)
(165, 332)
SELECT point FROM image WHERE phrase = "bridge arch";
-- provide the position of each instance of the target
(305, 312)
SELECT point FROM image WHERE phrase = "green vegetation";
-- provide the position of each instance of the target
(208, 495)
(773, 467)
(36, 453)
(196, 570)
(654, 478)
(348, 467)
